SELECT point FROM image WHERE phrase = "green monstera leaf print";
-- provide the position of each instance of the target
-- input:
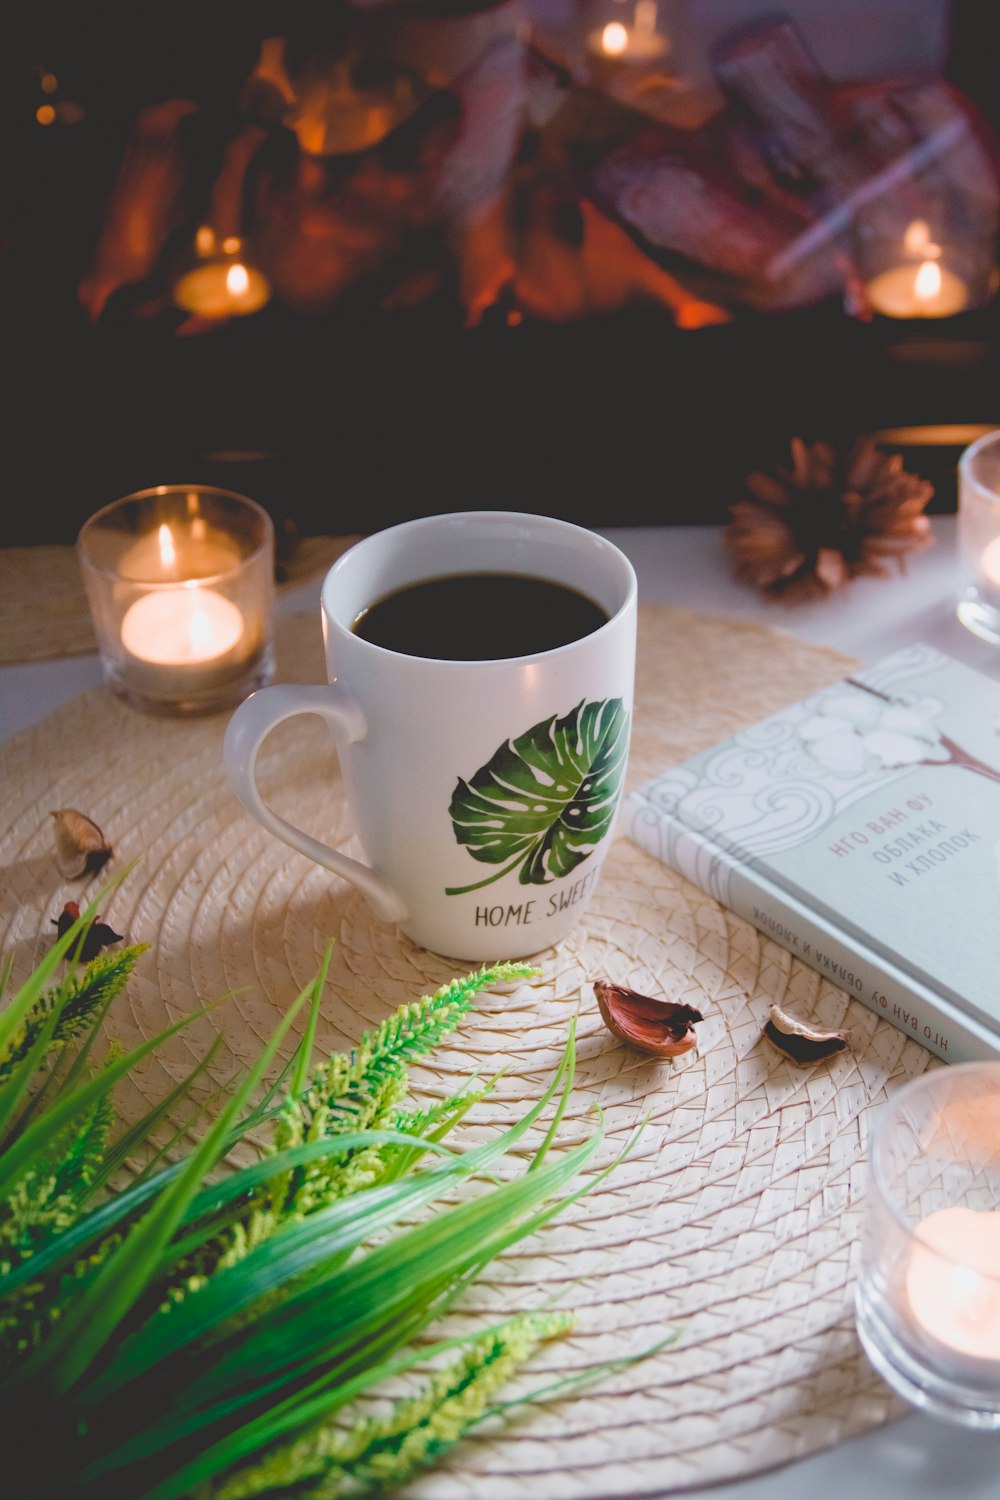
(546, 799)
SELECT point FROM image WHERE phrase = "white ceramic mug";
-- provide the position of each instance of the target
(484, 793)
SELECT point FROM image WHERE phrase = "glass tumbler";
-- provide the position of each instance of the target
(180, 582)
(979, 536)
(928, 1291)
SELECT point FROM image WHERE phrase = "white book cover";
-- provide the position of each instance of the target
(860, 827)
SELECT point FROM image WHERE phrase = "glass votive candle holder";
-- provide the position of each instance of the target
(619, 33)
(923, 261)
(979, 536)
(180, 582)
(220, 279)
(928, 1291)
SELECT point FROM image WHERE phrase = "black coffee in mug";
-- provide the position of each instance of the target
(479, 617)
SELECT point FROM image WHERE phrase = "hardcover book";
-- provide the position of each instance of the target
(860, 828)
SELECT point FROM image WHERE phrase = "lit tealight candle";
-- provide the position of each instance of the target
(927, 290)
(953, 1285)
(222, 289)
(638, 43)
(177, 640)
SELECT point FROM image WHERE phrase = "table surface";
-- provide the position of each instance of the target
(917, 1457)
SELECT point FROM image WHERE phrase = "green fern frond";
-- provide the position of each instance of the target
(33, 1210)
(435, 1118)
(363, 1091)
(87, 1147)
(376, 1454)
(79, 999)
(44, 1203)
(340, 1092)
(416, 1028)
(48, 1199)
(28, 1317)
(432, 1123)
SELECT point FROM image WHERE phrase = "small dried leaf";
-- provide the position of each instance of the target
(660, 1027)
(802, 1043)
(81, 848)
(99, 935)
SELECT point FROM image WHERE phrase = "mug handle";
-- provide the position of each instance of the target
(246, 731)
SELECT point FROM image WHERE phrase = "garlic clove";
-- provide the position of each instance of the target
(81, 848)
(797, 1040)
(659, 1027)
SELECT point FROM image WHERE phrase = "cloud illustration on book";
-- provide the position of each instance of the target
(851, 735)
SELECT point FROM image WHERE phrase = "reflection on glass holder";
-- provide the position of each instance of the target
(925, 256)
(221, 280)
(928, 1292)
(624, 32)
(627, 52)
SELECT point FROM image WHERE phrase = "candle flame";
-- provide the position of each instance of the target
(614, 39)
(237, 280)
(168, 555)
(928, 281)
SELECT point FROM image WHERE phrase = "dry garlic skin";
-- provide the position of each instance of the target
(81, 848)
(662, 1028)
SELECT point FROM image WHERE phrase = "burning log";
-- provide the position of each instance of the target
(145, 205)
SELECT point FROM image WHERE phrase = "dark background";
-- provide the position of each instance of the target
(349, 422)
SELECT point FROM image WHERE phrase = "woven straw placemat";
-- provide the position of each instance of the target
(736, 1217)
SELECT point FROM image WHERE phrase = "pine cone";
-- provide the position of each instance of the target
(805, 531)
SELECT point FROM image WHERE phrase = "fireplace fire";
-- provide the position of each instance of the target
(552, 165)
(403, 190)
